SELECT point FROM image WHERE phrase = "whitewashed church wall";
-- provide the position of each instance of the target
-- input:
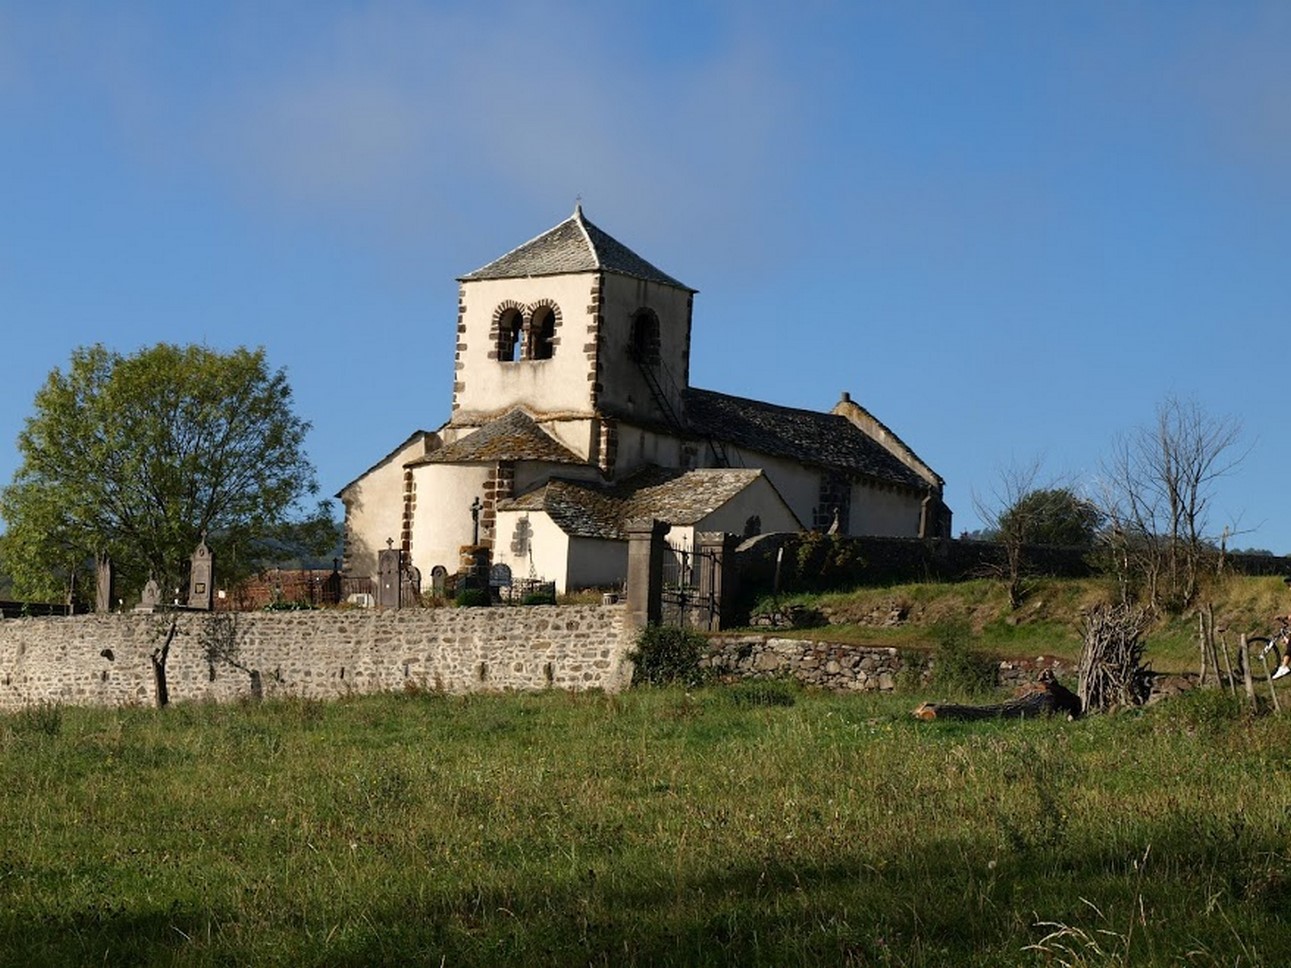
(884, 512)
(638, 446)
(623, 388)
(596, 563)
(575, 434)
(546, 543)
(759, 499)
(797, 484)
(874, 510)
(558, 384)
(531, 472)
(374, 511)
(442, 521)
(104, 659)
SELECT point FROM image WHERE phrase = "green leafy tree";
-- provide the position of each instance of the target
(1052, 516)
(138, 456)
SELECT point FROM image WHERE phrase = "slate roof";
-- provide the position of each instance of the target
(575, 245)
(513, 437)
(809, 436)
(587, 509)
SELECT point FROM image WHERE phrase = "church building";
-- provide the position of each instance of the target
(573, 414)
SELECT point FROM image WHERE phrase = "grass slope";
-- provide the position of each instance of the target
(658, 827)
(1047, 623)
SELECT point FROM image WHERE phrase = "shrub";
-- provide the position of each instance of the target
(539, 598)
(827, 560)
(914, 664)
(956, 668)
(472, 597)
(666, 655)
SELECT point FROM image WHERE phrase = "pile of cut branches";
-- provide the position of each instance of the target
(1111, 663)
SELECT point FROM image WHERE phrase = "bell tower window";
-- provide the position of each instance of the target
(509, 328)
(644, 347)
(542, 334)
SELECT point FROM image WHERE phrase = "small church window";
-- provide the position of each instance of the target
(542, 334)
(509, 327)
(833, 513)
(644, 347)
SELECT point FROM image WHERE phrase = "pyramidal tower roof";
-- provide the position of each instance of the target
(575, 245)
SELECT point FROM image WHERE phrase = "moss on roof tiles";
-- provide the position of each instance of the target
(809, 436)
(590, 510)
(509, 438)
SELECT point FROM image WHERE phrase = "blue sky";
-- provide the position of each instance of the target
(1010, 230)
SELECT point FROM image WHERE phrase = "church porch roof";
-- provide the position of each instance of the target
(590, 510)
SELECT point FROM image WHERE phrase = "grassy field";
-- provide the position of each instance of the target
(1049, 621)
(657, 827)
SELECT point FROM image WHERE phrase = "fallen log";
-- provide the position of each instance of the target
(1047, 697)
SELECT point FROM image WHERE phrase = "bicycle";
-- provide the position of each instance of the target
(1277, 645)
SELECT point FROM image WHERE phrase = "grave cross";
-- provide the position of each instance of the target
(475, 520)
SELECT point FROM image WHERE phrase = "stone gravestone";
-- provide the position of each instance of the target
(411, 596)
(104, 588)
(201, 583)
(499, 579)
(389, 562)
(151, 597)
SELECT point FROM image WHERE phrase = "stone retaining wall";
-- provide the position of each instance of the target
(105, 659)
(830, 665)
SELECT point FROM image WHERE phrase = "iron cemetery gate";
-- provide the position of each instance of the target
(692, 585)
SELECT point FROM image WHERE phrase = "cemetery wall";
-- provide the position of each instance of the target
(106, 659)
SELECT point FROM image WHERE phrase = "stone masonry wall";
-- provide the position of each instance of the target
(824, 664)
(830, 665)
(105, 659)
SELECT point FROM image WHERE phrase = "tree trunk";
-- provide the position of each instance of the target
(159, 657)
(1047, 700)
(1246, 673)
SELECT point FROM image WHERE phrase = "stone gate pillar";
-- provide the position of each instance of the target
(717, 578)
(645, 571)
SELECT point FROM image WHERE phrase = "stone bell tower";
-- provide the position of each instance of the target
(572, 324)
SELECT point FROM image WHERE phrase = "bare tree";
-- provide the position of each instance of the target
(1013, 481)
(1020, 513)
(1158, 485)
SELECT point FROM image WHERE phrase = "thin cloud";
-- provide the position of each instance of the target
(387, 118)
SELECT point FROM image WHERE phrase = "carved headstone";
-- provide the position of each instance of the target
(151, 597)
(201, 585)
(411, 594)
(499, 578)
(389, 562)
